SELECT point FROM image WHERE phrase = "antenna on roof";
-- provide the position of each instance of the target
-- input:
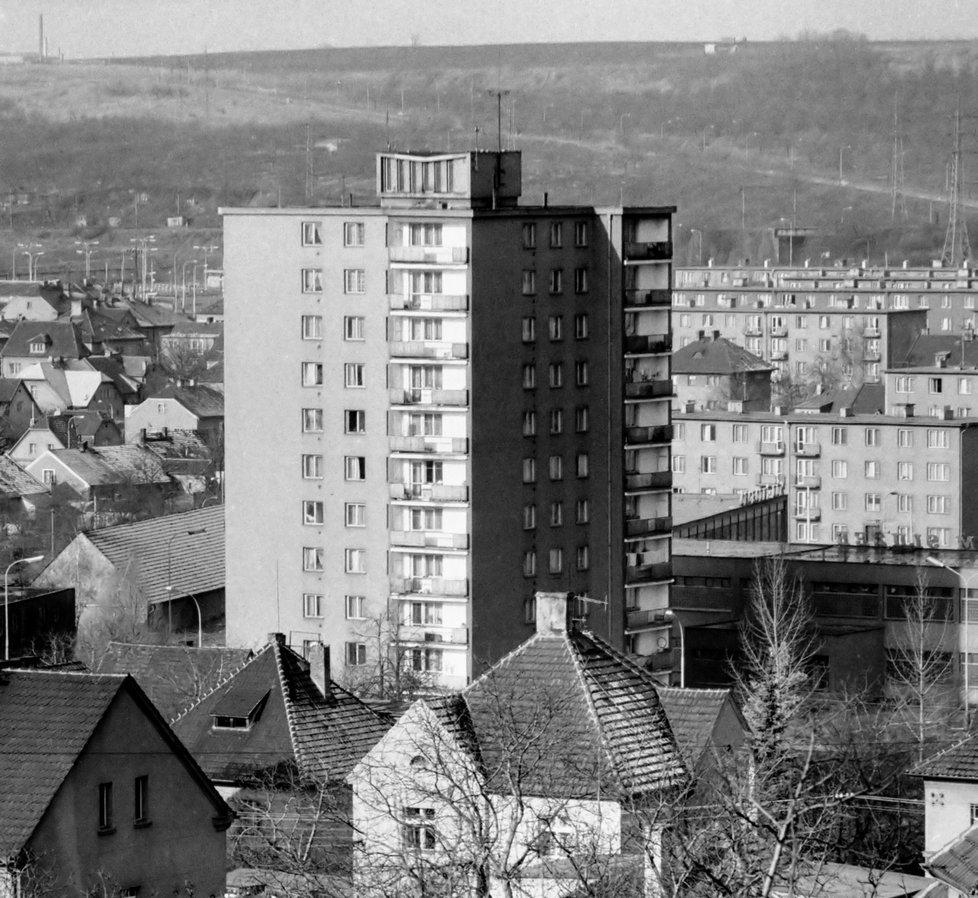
(499, 94)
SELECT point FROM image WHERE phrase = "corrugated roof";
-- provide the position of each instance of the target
(321, 735)
(693, 715)
(163, 551)
(957, 863)
(719, 356)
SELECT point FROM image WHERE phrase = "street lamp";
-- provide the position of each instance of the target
(671, 615)
(86, 251)
(169, 584)
(6, 601)
(966, 588)
(209, 248)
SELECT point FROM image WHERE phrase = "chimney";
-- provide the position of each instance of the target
(319, 668)
(276, 637)
(551, 613)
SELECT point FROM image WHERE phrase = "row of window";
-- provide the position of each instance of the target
(906, 383)
(106, 804)
(556, 284)
(555, 467)
(314, 513)
(555, 328)
(354, 421)
(555, 374)
(312, 233)
(312, 327)
(354, 280)
(353, 374)
(581, 514)
(556, 234)
(555, 561)
(773, 434)
(936, 472)
(313, 606)
(556, 421)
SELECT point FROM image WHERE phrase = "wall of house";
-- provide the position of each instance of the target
(947, 812)
(153, 415)
(33, 308)
(177, 847)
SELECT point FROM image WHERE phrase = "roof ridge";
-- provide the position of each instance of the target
(233, 673)
(507, 658)
(297, 750)
(964, 739)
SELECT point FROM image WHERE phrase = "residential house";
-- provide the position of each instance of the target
(128, 373)
(98, 794)
(40, 341)
(31, 300)
(193, 337)
(189, 461)
(17, 408)
(40, 619)
(73, 386)
(69, 431)
(154, 321)
(110, 329)
(110, 480)
(199, 408)
(707, 724)
(542, 760)
(20, 492)
(713, 372)
(274, 728)
(169, 570)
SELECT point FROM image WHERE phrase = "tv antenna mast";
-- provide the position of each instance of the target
(499, 94)
(957, 246)
(898, 199)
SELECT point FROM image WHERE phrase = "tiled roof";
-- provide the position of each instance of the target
(61, 340)
(203, 401)
(101, 327)
(595, 719)
(956, 864)
(46, 719)
(957, 762)
(867, 399)
(195, 328)
(173, 676)
(923, 353)
(149, 315)
(8, 387)
(107, 465)
(84, 425)
(321, 735)
(15, 481)
(719, 356)
(190, 563)
(693, 715)
(115, 368)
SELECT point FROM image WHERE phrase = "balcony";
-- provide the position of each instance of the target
(657, 434)
(648, 573)
(871, 332)
(647, 526)
(645, 619)
(429, 586)
(428, 349)
(445, 445)
(770, 480)
(775, 448)
(808, 514)
(808, 482)
(648, 298)
(429, 539)
(429, 492)
(649, 389)
(779, 355)
(659, 480)
(429, 255)
(871, 355)
(425, 396)
(753, 330)
(655, 251)
(648, 344)
(808, 450)
(433, 633)
(779, 330)
(428, 302)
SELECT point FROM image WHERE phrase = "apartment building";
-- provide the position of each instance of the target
(456, 401)
(938, 377)
(715, 372)
(849, 478)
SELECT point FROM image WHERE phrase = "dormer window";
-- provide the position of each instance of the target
(38, 346)
(238, 709)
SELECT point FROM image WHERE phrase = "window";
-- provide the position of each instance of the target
(580, 233)
(312, 327)
(354, 280)
(356, 654)
(352, 374)
(708, 433)
(905, 438)
(580, 326)
(355, 561)
(529, 377)
(355, 607)
(556, 327)
(556, 467)
(904, 384)
(556, 374)
(529, 564)
(312, 604)
(965, 386)
(739, 465)
(353, 233)
(581, 419)
(556, 421)
(582, 464)
(904, 503)
(426, 519)
(312, 280)
(708, 464)
(556, 561)
(938, 472)
(312, 559)
(105, 807)
(935, 384)
(582, 511)
(425, 660)
(872, 436)
(355, 467)
(529, 517)
(840, 501)
(313, 512)
(556, 234)
(425, 234)
(583, 558)
(740, 433)
(938, 536)
(312, 234)
(581, 373)
(529, 470)
(140, 794)
(418, 830)
(840, 436)
(529, 423)
(352, 327)
(556, 514)
(937, 439)
(312, 420)
(48, 476)
(529, 330)
(905, 470)
(423, 329)
(679, 464)
(312, 374)
(938, 505)
(580, 280)
(873, 502)
(556, 280)
(356, 514)
(529, 235)
(872, 470)
(355, 421)
(529, 282)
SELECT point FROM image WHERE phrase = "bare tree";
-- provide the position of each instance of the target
(388, 673)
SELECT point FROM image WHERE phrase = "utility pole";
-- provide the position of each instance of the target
(898, 200)
(957, 246)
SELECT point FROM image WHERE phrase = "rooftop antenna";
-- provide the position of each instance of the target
(499, 94)
(957, 246)
(898, 200)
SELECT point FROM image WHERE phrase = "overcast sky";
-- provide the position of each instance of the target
(136, 27)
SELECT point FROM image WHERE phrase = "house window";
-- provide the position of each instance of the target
(312, 327)
(355, 467)
(529, 517)
(353, 233)
(529, 423)
(529, 564)
(355, 561)
(529, 470)
(965, 386)
(312, 420)
(581, 419)
(904, 438)
(872, 470)
(556, 466)
(938, 505)
(581, 373)
(353, 374)
(739, 465)
(356, 654)
(840, 436)
(425, 234)
(356, 513)
(580, 326)
(582, 511)
(312, 374)
(354, 280)
(556, 326)
(48, 476)
(312, 605)
(556, 561)
(708, 433)
(418, 829)
(105, 807)
(938, 472)
(355, 421)
(312, 234)
(556, 280)
(355, 606)
(582, 464)
(872, 436)
(352, 327)
(740, 433)
(708, 464)
(313, 559)
(583, 558)
(556, 421)
(529, 282)
(529, 330)
(529, 235)
(37, 347)
(935, 384)
(873, 502)
(840, 468)
(905, 470)
(313, 512)
(312, 280)
(580, 233)
(556, 514)
(937, 439)
(840, 501)
(556, 234)
(529, 377)
(580, 280)
(556, 375)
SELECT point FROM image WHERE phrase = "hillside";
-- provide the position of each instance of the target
(740, 142)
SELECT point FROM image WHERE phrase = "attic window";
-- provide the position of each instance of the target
(38, 346)
(238, 709)
(231, 723)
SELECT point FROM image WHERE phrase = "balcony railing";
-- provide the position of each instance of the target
(433, 634)
(644, 298)
(648, 389)
(425, 396)
(659, 433)
(807, 514)
(429, 492)
(770, 479)
(779, 355)
(429, 302)
(428, 349)
(430, 255)
(429, 586)
(648, 344)
(645, 618)
(429, 539)
(655, 251)
(456, 445)
(647, 526)
(808, 450)
(648, 573)
(773, 448)
(659, 480)
(808, 482)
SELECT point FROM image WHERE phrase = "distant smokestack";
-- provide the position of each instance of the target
(40, 36)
